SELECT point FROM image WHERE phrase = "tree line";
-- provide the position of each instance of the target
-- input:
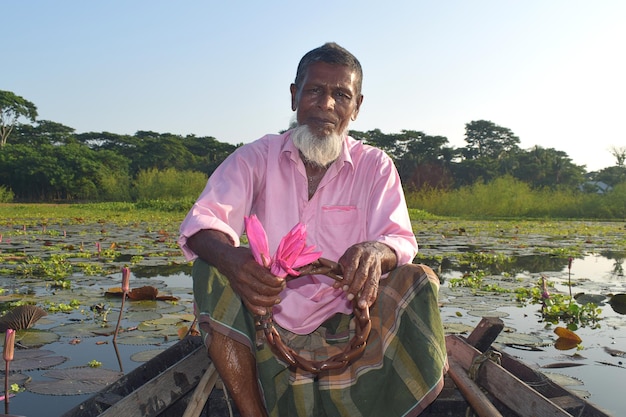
(42, 160)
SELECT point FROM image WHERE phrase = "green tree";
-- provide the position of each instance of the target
(421, 160)
(548, 167)
(386, 142)
(44, 132)
(27, 170)
(12, 108)
(425, 161)
(611, 175)
(487, 139)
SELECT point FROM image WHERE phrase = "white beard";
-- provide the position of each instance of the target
(320, 151)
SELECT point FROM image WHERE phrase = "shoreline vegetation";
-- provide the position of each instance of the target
(501, 199)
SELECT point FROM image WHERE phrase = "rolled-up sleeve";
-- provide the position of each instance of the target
(224, 202)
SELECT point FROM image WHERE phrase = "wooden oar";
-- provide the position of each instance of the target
(479, 402)
(201, 393)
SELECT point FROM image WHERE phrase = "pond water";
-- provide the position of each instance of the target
(84, 334)
(589, 370)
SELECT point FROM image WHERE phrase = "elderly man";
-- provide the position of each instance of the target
(349, 197)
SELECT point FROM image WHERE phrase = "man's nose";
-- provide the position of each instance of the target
(326, 102)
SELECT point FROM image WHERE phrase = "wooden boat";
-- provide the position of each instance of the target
(180, 382)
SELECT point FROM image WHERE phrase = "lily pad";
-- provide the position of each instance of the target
(145, 355)
(565, 333)
(142, 338)
(564, 343)
(519, 339)
(34, 338)
(83, 330)
(487, 313)
(597, 299)
(563, 380)
(457, 328)
(74, 381)
(33, 359)
(618, 302)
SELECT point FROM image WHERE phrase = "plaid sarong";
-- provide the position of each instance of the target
(400, 373)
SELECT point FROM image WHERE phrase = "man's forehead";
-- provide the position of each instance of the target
(331, 74)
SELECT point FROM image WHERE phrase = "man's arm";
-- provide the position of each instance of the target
(256, 286)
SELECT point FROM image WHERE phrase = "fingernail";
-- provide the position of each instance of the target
(277, 301)
(345, 288)
(350, 297)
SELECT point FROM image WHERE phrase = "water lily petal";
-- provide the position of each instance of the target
(258, 240)
(9, 345)
(292, 251)
(125, 279)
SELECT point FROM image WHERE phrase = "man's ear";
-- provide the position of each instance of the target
(355, 113)
(294, 102)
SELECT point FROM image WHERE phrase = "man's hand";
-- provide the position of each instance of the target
(363, 264)
(258, 288)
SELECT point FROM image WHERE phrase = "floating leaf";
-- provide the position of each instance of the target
(141, 338)
(563, 380)
(74, 381)
(618, 302)
(21, 317)
(114, 292)
(182, 332)
(33, 359)
(615, 352)
(19, 379)
(84, 330)
(563, 343)
(487, 313)
(457, 328)
(146, 292)
(146, 355)
(564, 333)
(519, 340)
(562, 364)
(596, 299)
(35, 338)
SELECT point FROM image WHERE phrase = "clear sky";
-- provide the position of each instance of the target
(552, 71)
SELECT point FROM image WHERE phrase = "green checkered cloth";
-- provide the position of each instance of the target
(400, 373)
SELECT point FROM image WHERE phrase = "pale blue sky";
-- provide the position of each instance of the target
(551, 71)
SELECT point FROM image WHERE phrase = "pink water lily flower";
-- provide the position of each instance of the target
(258, 240)
(292, 251)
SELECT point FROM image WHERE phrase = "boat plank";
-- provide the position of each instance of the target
(161, 391)
(503, 385)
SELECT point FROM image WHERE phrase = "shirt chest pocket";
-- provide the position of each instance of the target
(341, 226)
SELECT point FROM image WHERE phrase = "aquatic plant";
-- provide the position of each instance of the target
(475, 281)
(560, 308)
(7, 353)
(125, 291)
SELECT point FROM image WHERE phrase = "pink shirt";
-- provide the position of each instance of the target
(359, 199)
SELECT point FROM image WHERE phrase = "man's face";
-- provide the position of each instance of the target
(327, 100)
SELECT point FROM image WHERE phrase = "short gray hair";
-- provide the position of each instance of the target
(330, 53)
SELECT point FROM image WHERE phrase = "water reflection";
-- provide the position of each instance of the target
(618, 261)
(161, 271)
